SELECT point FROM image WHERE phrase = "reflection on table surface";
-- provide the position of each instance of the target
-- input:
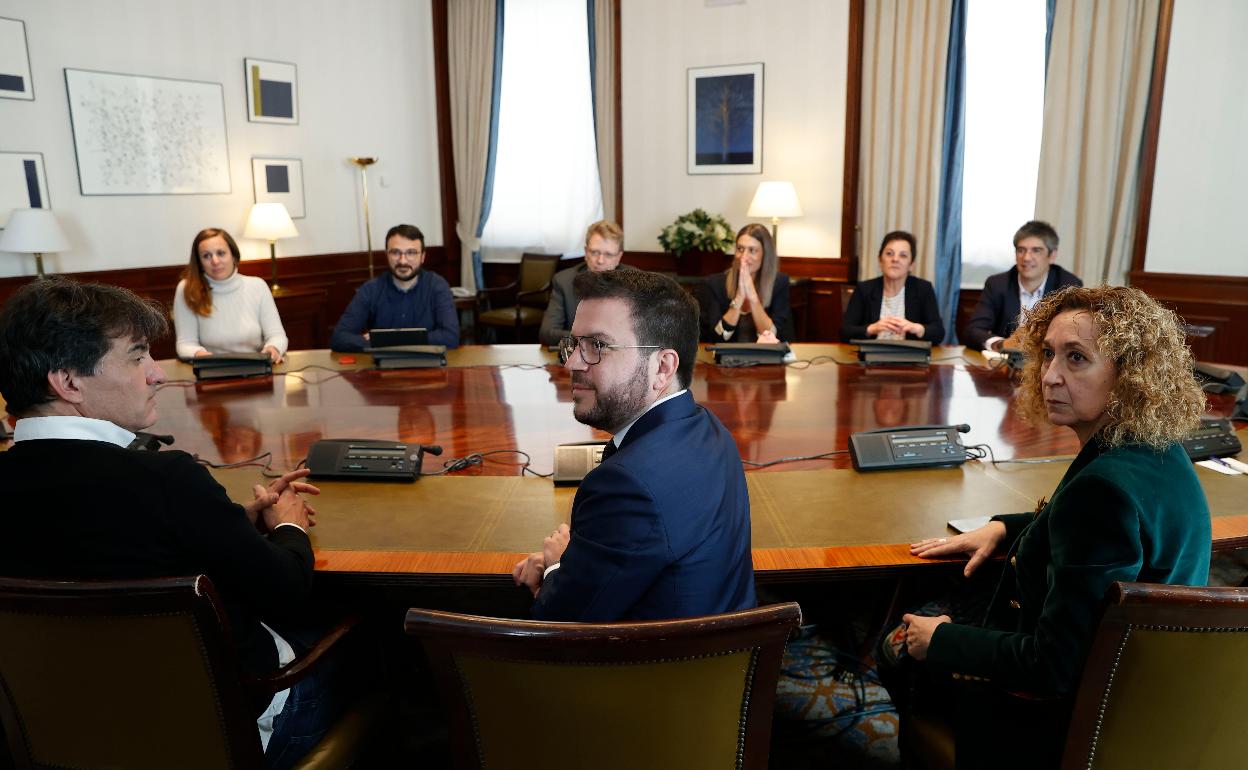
(518, 397)
(810, 517)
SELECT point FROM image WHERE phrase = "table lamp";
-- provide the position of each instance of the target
(33, 231)
(269, 222)
(775, 200)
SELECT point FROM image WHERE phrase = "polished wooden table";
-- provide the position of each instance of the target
(811, 519)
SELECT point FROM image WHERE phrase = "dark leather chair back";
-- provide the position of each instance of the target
(690, 693)
(1166, 681)
(134, 674)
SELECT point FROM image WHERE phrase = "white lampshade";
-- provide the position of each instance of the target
(775, 199)
(33, 231)
(269, 222)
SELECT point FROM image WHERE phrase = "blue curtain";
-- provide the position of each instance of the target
(1050, 10)
(487, 191)
(593, 59)
(949, 227)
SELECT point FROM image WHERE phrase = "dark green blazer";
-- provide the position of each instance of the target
(1129, 513)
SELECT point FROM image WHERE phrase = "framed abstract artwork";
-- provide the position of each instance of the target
(139, 135)
(279, 180)
(725, 131)
(272, 92)
(15, 82)
(23, 184)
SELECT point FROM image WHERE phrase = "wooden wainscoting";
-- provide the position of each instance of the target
(1215, 308)
(319, 288)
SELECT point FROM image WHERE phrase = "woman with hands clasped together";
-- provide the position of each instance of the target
(749, 302)
(896, 305)
(1113, 366)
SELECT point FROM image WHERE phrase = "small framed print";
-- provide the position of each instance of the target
(272, 92)
(279, 180)
(23, 184)
(15, 80)
(725, 132)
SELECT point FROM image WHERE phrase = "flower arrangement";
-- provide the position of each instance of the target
(697, 231)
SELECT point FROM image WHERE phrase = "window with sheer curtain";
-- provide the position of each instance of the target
(546, 189)
(1004, 115)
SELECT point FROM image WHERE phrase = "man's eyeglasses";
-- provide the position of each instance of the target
(591, 348)
(596, 254)
(410, 253)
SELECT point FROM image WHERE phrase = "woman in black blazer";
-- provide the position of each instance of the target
(749, 302)
(921, 317)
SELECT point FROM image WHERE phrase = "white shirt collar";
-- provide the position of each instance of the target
(1026, 299)
(71, 427)
(618, 438)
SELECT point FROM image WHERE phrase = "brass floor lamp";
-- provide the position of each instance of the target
(364, 163)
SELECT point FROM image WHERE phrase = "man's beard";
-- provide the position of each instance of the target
(617, 407)
(415, 271)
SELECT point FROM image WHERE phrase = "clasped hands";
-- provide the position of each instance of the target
(282, 502)
(530, 570)
(895, 325)
(979, 544)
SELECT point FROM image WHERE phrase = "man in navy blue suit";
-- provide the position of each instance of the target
(661, 529)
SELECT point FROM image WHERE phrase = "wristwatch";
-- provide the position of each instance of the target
(738, 302)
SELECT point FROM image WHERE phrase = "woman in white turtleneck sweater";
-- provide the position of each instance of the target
(216, 309)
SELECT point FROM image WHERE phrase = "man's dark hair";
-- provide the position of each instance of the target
(662, 312)
(410, 232)
(55, 323)
(1037, 229)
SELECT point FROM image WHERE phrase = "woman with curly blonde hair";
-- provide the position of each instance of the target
(1112, 365)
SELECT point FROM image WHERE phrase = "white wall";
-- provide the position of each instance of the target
(366, 87)
(803, 47)
(1199, 194)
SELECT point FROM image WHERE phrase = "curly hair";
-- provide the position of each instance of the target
(1155, 399)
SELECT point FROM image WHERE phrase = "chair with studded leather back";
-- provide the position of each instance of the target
(529, 295)
(689, 693)
(141, 674)
(1164, 685)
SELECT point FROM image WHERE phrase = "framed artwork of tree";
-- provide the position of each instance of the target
(726, 119)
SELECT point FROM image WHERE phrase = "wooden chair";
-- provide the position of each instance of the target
(1165, 685)
(140, 674)
(1166, 681)
(529, 295)
(690, 693)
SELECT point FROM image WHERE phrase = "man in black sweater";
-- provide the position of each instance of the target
(80, 504)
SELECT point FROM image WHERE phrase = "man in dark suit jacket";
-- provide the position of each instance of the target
(604, 246)
(661, 529)
(1007, 294)
(81, 504)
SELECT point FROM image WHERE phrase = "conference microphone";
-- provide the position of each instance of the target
(908, 446)
(149, 442)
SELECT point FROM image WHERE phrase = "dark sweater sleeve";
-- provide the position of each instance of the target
(445, 329)
(348, 336)
(986, 318)
(271, 574)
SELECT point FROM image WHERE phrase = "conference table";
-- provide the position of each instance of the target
(813, 519)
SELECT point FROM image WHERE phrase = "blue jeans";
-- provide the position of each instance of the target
(312, 706)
